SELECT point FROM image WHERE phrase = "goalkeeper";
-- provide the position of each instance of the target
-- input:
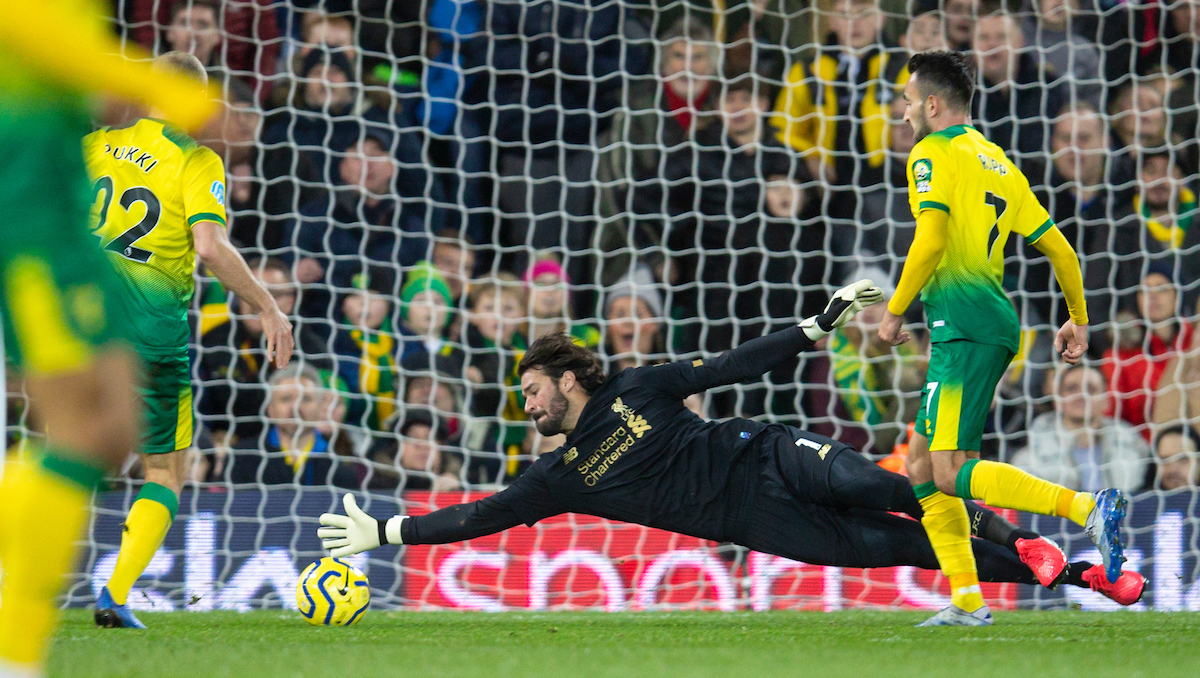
(635, 453)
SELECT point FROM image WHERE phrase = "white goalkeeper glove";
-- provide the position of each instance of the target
(845, 304)
(356, 531)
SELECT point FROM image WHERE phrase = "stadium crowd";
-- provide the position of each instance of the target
(427, 187)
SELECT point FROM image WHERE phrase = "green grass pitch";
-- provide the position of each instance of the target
(571, 645)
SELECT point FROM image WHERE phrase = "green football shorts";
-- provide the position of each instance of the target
(166, 392)
(59, 297)
(958, 393)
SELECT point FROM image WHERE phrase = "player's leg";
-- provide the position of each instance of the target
(957, 469)
(891, 541)
(854, 481)
(90, 415)
(167, 398)
(62, 308)
(888, 541)
(945, 519)
(820, 534)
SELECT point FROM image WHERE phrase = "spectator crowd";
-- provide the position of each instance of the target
(428, 186)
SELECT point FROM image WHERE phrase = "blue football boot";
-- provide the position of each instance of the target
(113, 616)
(1104, 528)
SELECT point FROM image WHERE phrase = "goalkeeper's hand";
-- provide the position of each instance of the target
(844, 305)
(356, 531)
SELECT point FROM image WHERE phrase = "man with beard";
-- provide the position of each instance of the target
(635, 453)
(967, 197)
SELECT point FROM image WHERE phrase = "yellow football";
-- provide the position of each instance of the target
(332, 592)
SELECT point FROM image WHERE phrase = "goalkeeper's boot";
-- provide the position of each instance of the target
(955, 616)
(1047, 561)
(113, 616)
(1104, 528)
(1127, 590)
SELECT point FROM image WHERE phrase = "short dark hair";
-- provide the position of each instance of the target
(211, 5)
(1152, 153)
(744, 82)
(1182, 430)
(950, 74)
(556, 354)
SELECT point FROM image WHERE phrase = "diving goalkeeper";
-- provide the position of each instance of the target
(634, 453)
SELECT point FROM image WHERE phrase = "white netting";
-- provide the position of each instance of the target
(666, 179)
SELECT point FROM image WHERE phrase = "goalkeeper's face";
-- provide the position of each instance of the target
(544, 402)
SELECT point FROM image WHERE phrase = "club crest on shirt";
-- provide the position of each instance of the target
(923, 174)
(634, 420)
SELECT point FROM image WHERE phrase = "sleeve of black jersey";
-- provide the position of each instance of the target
(752, 359)
(526, 501)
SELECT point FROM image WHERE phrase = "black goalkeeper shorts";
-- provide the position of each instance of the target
(795, 513)
(800, 463)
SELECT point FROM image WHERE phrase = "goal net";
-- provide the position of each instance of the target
(430, 185)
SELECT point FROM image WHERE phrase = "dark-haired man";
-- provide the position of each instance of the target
(635, 453)
(967, 197)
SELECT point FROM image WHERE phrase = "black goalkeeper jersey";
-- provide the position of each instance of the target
(638, 455)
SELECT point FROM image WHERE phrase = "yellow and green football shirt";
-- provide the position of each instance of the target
(960, 172)
(152, 183)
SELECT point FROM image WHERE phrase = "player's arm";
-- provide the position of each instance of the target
(757, 356)
(1033, 222)
(83, 57)
(356, 531)
(1072, 338)
(931, 189)
(929, 244)
(225, 263)
(204, 204)
(527, 501)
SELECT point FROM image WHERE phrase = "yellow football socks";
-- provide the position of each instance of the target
(146, 527)
(1006, 486)
(43, 510)
(949, 532)
(1075, 506)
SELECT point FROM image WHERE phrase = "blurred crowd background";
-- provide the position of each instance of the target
(427, 186)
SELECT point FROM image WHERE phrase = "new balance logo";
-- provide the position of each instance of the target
(570, 455)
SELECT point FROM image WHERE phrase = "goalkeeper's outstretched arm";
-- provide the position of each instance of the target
(757, 356)
(356, 531)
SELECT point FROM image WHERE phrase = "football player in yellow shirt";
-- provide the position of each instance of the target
(60, 303)
(160, 201)
(968, 198)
